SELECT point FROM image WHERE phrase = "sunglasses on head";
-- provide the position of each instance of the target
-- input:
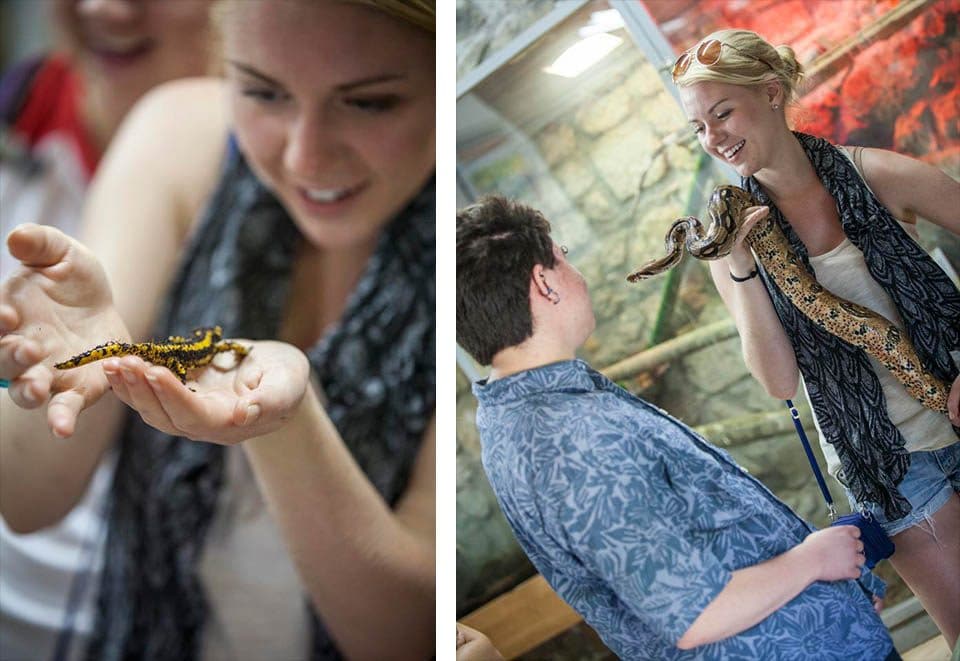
(708, 54)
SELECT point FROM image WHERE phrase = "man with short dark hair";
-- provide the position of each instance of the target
(664, 545)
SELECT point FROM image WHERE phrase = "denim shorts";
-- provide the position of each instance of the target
(932, 478)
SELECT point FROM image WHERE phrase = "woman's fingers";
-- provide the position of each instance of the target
(280, 384)
(153, 392)
(137, 393)
(755, 215)
(196, 415)
(70, 275)
(38, 246)
(953, 402)
(9, 319)
(45, 249)
(251, 391)
(17, 355)
(751, 216)
(32, 388)
(62, 412)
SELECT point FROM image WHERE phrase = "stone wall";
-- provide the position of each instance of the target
(485, 26)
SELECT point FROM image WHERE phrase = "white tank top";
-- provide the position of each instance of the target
(844, 272)
(257, 606)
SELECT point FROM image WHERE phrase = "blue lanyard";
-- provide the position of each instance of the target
(813, 460)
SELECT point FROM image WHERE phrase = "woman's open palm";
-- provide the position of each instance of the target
(224, 402)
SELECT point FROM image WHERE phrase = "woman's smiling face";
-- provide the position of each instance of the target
(334, 107)
(735, 124)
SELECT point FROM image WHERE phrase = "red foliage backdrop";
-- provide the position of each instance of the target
(898, 88)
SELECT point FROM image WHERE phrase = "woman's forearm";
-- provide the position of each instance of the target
(766, 348)
(41, 476)
(369, 573)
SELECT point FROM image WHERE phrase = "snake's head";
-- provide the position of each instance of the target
(730, 199)
(726, 209)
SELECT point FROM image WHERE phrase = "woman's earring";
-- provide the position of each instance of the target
(775, 106)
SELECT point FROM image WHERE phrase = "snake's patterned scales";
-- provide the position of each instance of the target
(850, 322)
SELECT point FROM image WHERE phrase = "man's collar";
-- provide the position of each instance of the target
(563, 376)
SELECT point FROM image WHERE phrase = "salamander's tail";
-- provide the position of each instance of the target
(237, 348)
(99, 352)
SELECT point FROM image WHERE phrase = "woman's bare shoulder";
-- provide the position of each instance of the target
(202, 97)
(910, 187)
(150, 188)
(176, 135)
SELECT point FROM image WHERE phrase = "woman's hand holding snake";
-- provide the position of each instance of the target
(740, 261)
(953, 403)
(734, 225)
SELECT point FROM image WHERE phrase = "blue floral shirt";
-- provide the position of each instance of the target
(638, 523)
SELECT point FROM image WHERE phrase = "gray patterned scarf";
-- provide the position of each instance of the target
(844, 391)
(376, 368)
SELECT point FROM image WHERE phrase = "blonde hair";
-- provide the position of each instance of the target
(746, 63)
(418, 13)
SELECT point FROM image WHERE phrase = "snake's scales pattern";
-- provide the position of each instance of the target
(850, 322)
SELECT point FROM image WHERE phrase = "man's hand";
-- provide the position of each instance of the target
(877, 604)
(474, 646)
(833, 554)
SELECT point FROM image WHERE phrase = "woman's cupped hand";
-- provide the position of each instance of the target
(55, 305)
(225, 402)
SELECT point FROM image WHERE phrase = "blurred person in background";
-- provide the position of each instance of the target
(60, 110)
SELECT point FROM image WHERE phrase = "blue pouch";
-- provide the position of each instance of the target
(877, 545)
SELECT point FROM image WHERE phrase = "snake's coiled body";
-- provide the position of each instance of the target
(853, 323)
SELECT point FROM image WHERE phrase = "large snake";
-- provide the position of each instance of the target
(850, 322)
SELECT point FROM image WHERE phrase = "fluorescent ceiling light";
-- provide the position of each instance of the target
(583, 55)
(606, 20)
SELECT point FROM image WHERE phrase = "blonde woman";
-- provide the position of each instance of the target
(850, 213)
(281, 507)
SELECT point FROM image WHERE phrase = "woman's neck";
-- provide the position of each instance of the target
(321, 283)
(791, 174)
